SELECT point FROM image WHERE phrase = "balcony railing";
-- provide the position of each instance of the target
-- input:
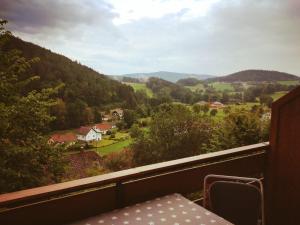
(70, 201)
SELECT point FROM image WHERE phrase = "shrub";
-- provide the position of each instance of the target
(118, 160)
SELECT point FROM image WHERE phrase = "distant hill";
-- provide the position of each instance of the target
(256, 75)
(85, 93)
(169, 76)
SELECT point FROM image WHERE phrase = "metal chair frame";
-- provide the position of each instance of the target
(246, 180)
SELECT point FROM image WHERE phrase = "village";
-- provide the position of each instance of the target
(92, 135)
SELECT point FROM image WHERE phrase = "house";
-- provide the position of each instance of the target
(216, 105)
(202, 103)
(104, 127)
(69, 138)
(105, 117)
(89, 134)
(266, 116)
(116, 113)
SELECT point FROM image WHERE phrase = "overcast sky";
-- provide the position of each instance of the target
(214, 37)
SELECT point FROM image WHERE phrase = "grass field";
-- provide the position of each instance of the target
(222, 86)
(140, 86)
(289, 82)
(113, 147)
(278, 95)
(108, 145)
(196, 87)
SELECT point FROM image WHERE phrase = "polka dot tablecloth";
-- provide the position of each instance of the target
(168, 210)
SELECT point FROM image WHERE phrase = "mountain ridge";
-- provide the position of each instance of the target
(255, 75)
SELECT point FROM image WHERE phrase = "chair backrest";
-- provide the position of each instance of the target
(236, 202)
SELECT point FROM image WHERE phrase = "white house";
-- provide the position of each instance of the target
(89, 134)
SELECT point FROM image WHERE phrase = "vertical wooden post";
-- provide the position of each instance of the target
(119, 194)
(283, 162)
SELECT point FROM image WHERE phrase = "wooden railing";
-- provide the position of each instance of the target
(65, 202)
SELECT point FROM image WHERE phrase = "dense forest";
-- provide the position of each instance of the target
(83, 93)
(255, 75)
(188, 81)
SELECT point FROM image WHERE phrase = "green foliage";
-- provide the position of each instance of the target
(118, 160)
(140, 88)
(166, 91)
(175, 132)
(240, 128)
(266, 100)
(213, 112)
(188, 81)
(129, 117)
(135, 131)
(26, 160)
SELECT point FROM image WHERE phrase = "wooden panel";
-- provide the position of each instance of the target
(283, 181)
(62, 210)
(190, 180)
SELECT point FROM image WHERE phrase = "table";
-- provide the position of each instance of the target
(171, 209)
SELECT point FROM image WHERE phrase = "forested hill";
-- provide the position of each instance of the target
(168, 91)
(85, 92)
(256, 75)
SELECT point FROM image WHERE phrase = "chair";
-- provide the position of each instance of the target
(239, 200)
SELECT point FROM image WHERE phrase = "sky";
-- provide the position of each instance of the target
(215, 37)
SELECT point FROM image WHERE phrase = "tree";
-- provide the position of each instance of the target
(266, 100)
(59, 111)
(118, 160)
(97, 115)
(26, 160)
(135, 131)
(129, 117)
(225, 97)
(175, 132)
(213, 112)
(240, 128)
(205, 108)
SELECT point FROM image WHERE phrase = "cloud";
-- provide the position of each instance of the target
(196, 36)
(34, 15)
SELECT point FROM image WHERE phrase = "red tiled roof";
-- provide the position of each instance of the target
(84, 130)
(68, 137)
(103, 126)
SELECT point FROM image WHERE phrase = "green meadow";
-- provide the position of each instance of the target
(140, 86)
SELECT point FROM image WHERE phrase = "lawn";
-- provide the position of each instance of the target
(140, 86)
(113, 147)
(222, 86)
(278, 95)
(289, 82)
(196, 87)
(108, 145)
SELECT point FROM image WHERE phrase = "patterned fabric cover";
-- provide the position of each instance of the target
(168, 210)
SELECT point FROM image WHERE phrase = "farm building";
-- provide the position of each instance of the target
(70, 138)
(216, 105)
(89, 134)
(104, 127)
